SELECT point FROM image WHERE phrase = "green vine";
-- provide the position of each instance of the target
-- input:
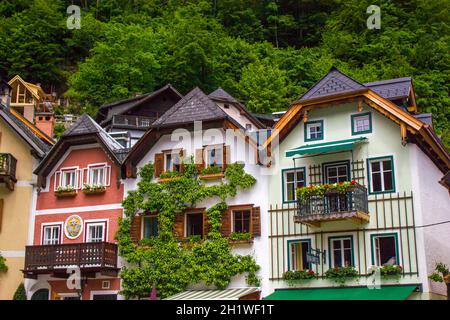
(3, 266)
(211, 170)
(164, 262)
(441, 273)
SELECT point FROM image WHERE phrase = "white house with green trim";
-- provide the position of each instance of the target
(394, 212)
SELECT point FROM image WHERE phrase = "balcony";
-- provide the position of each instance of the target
(55, 259)
(133, 122)
(8, 170)
(350, 205)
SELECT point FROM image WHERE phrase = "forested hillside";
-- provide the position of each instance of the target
(264, 52)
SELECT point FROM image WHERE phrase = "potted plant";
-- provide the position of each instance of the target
(93, 188)
(67, 191)
(298, 276)
(169, 176)
(441, 274)
(240, 237)
(341, 274)
(211, 173)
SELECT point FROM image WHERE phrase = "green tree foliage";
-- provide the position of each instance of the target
(3, 266)
(20, 293)
(124, 47)
(164, 263)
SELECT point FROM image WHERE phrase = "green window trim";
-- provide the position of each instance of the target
(330, 251)
(283, 191)
(372, 245)
(305, 126)
(353, 116)
(326, 164)
(369, 175)
(289, 242)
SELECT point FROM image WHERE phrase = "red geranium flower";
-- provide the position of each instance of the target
(353, 182)
(341, 182)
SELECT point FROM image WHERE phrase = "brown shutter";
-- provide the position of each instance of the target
(178, 226)
(1, 213)
(199, 161)
(256, 222)
(181, 161)
(226, 156)
(135, 231)
(226, 223)
(159, 164)
(206, 225)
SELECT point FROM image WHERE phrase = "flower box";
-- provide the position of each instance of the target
(63, 194)
(94, 191)
(161, 180)
(237, 242)
(212, 176)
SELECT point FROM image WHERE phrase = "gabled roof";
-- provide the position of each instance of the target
(411, 128)
(333, 82)
(393, 88)
(34, 137)
(84, 131)
(222, 95)
(195, 106)
(125, 105)
(34, 89)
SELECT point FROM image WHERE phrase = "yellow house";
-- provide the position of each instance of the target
(22, 145)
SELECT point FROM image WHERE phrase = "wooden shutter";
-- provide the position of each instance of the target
(226, 223)
(226, 156)
(135, 231)
(178, 226)
(199, 160)
(159, 164)
(256, 222)
(1, 214)
(182, 168)
(206, 225)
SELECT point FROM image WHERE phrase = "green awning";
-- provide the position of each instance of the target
(354, 293)
(339, 145)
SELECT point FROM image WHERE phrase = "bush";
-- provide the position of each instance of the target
(212, 170)
(341, 274)
(390, 270)
(236, 236)
(3, 266)
(299, 275)
(20, 293)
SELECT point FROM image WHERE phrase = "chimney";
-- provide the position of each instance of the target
(5, 93)
(45, 121)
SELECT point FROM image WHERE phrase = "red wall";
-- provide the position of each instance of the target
(60, 286)
(82, 158)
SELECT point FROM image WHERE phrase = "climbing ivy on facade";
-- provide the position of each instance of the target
(167, 263)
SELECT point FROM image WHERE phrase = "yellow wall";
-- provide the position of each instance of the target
(16, 209)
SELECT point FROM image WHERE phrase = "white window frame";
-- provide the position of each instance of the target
(293, 257)
(61, 180)
(342, 249)
(92, 168)
(86, 172)
(365, 117)
(314, 123)
(337, 166)
(51, 225)
(208, 148)
(89, 223)
(382, 171)
(295, 182)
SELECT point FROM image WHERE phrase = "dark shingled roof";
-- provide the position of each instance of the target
(391, 89)
(195, 106)
(39, 145)
(333, 82)
(222, 95)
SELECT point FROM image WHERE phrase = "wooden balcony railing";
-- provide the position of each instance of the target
(333, 205)
(92, 256)
(132, 121)
(8, 169)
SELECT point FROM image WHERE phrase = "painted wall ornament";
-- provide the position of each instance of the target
(73, 227)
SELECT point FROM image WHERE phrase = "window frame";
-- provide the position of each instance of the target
(62, 171)
(381, 235)
(186, 214)
(52, 225)
(325, 165)
(206, 150)
(369, 174)
(331, 251)
(284, 182)
(102, 166)
(352, 123)
(289, 253)
(306, 130)
(233, 219)
(153, 216)
(89, 223)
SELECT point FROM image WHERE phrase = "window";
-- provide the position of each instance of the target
(150, 227)
(97, 175)
(381, 175)
(172, 161)
(194, 224)
(336, 172)
(68, 178)
(214, 156)
(292, 179)
(51, 235)
(341, 250)
(95, 232)
(241, 220)
(248, 126)
(298, 251)
(314, 130)
(361, 123)
(384, 249)
(168, 162)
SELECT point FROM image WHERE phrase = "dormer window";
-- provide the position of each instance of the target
(314, 130)
(68, 178)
